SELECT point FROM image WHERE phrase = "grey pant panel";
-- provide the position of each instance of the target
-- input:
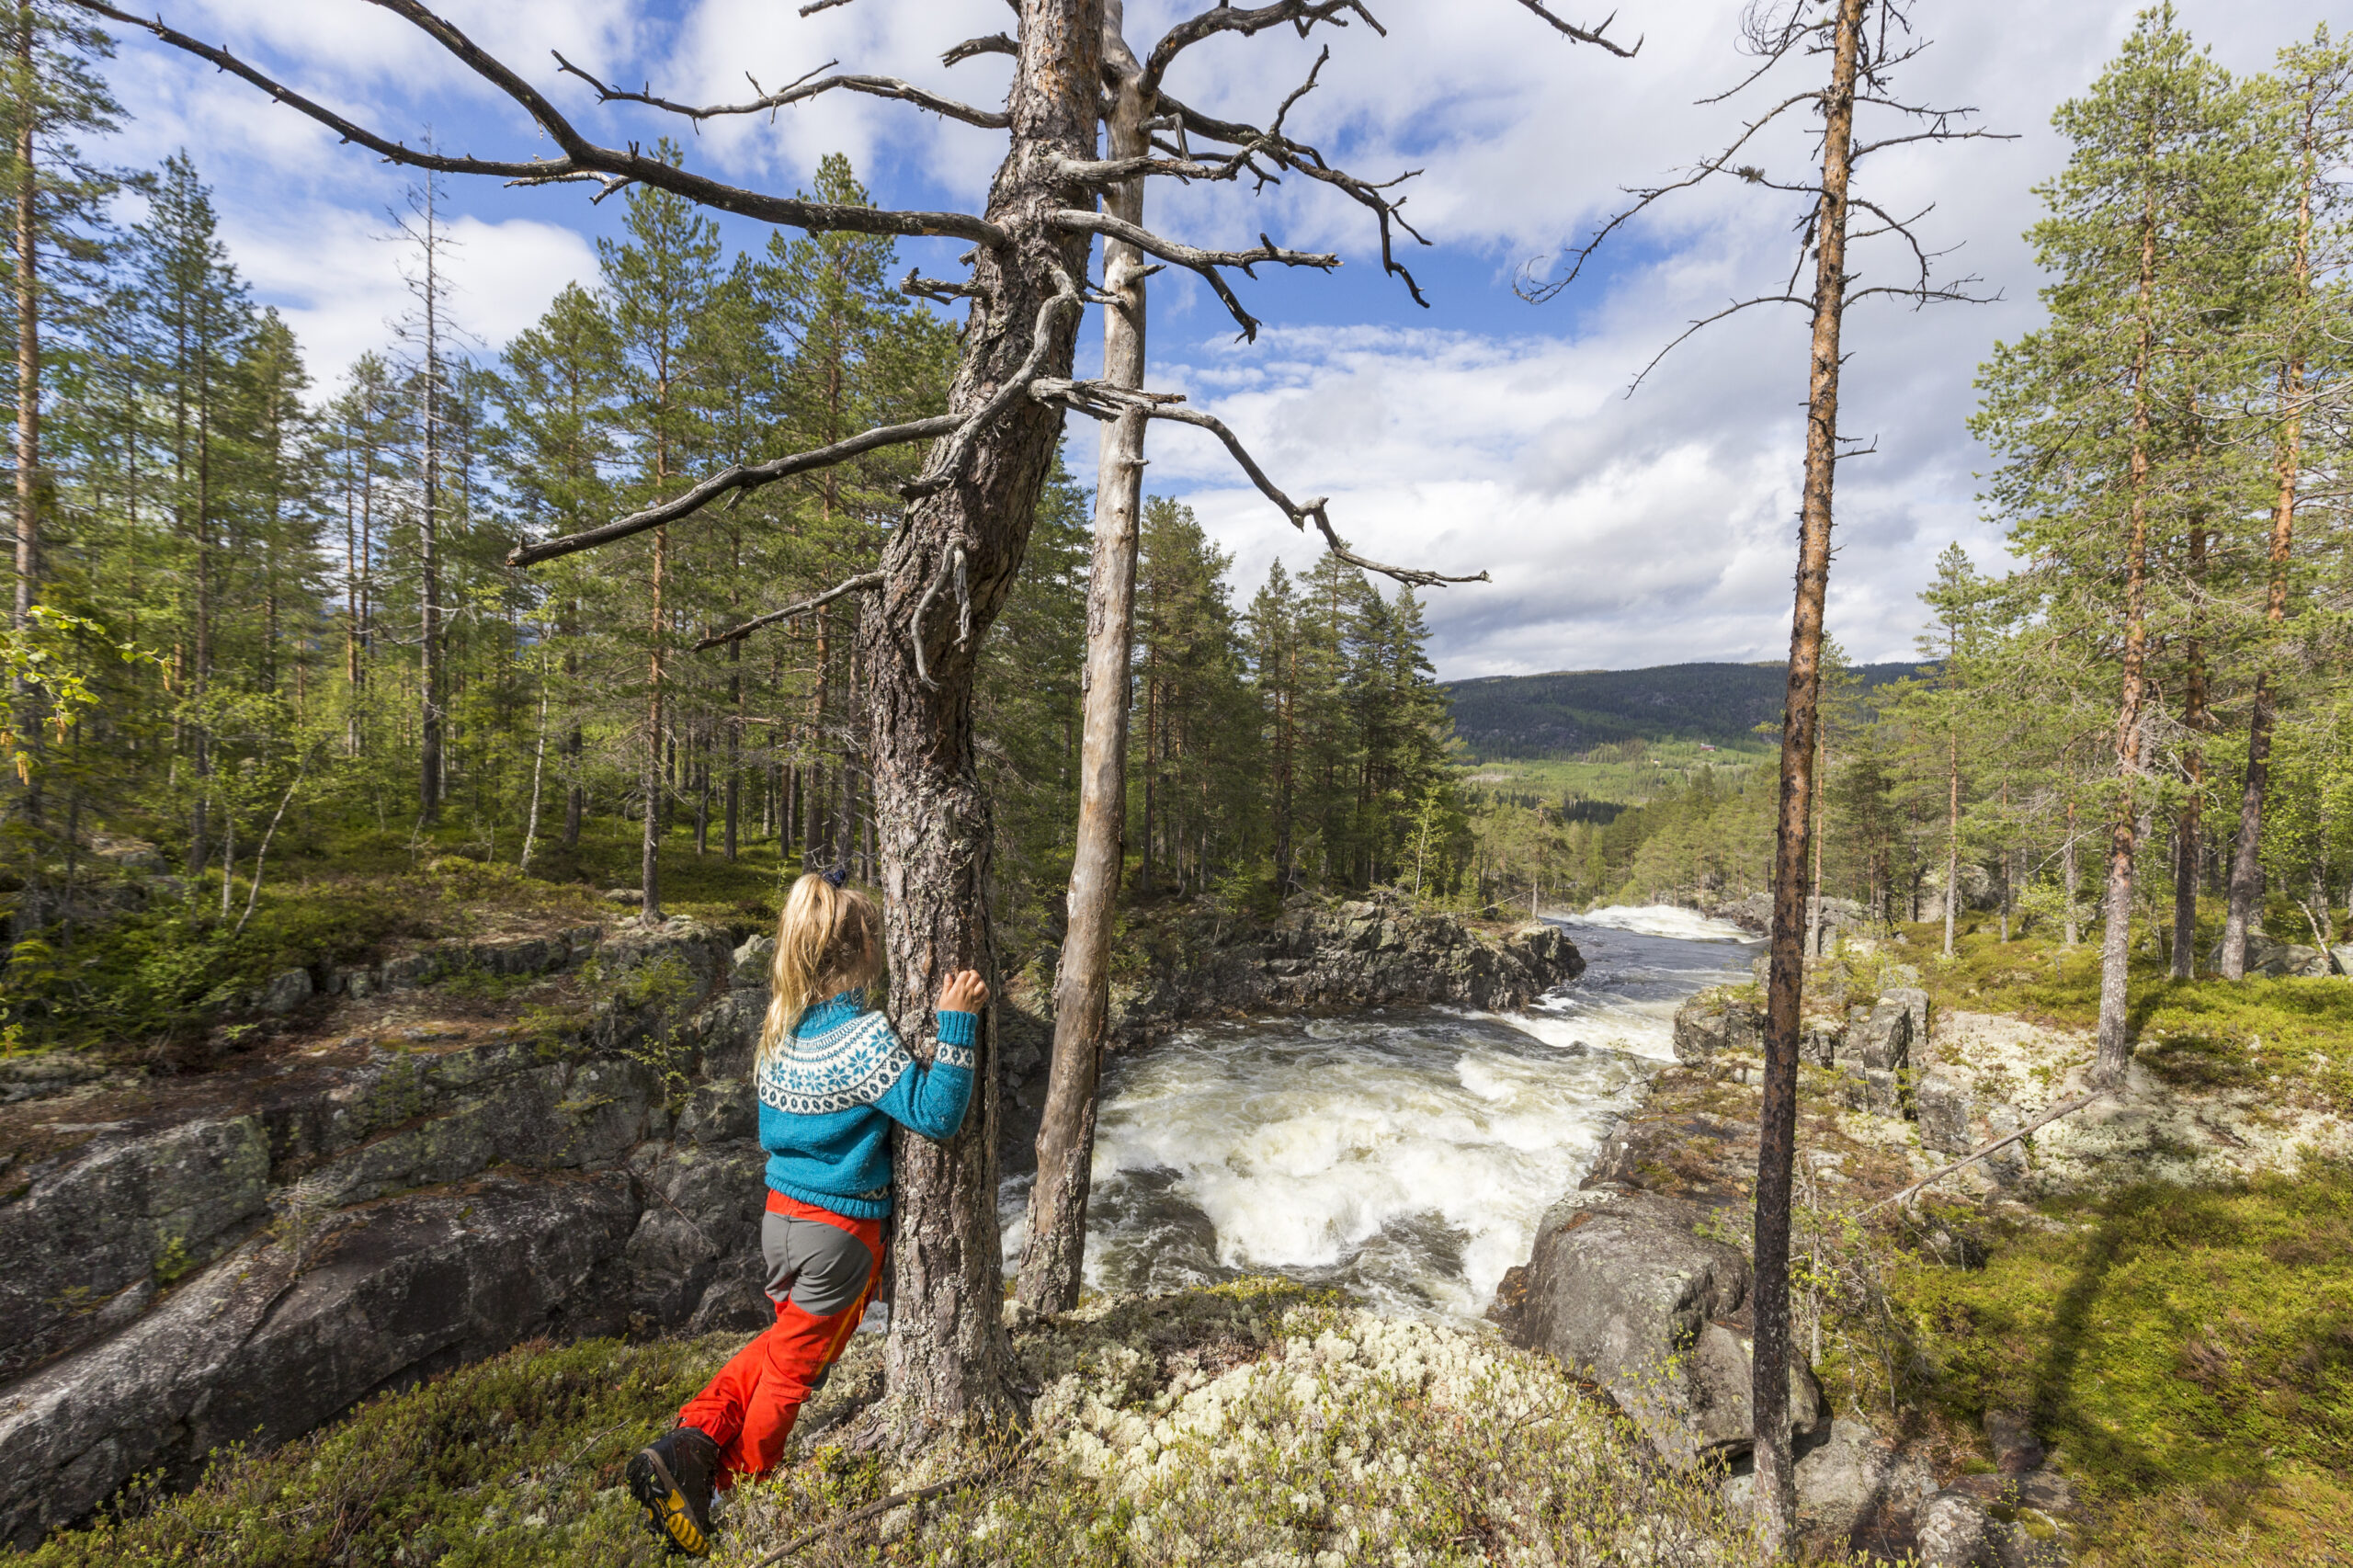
(821, 1269)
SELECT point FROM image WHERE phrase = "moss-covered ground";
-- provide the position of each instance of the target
(163, 968)
(1256, 1422)
(2188, 1353)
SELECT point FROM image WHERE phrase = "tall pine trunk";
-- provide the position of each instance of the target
(2114, 1049)
(1952, 836)
(27, 302)
(2186, 852)
(649, 868)
(429, 541)
(1776, 1127)
(1055, 1243)
(946, 1358)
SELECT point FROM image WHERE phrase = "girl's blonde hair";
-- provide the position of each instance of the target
(828, 940)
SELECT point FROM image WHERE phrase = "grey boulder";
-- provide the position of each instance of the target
(1622, 1288)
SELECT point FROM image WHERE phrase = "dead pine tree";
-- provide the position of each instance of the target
(1149, 133)
(1863, 44)
(948, 564)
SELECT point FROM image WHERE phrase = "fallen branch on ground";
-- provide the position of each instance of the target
(2045, 1119)
(896, 1499)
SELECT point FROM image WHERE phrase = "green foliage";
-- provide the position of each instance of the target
(2191, 1353)
(514, 1461)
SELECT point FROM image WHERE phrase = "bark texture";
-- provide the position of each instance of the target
(2114, 1049)
(28, 304)
(2247, 862)
(947, 1345)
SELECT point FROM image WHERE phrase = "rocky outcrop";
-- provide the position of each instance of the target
(2268, 958)
(280, 1337)
(248, 1259)
(1627, 1289)
(1367, 953)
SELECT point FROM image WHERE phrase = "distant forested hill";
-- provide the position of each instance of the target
(1573, 711)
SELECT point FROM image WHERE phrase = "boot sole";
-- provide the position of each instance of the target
(652, 1484)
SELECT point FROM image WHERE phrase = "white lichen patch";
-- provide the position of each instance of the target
(2150, 1129)
(1263, 1425)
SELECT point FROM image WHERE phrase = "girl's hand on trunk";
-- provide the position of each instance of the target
(965, 992)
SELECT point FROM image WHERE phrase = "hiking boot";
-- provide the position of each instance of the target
(672, 1476)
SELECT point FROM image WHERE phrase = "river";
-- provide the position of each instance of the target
(1404, 1154)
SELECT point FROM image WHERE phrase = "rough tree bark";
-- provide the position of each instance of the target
(28, 304)
(1952, 836)
(2186, 855)
(1054, 1244)
(1777, 1126)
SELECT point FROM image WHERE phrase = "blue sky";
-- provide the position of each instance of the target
(1481, 433)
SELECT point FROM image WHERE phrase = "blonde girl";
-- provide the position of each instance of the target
(833, 1078)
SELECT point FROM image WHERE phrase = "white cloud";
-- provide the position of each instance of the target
(337, 278)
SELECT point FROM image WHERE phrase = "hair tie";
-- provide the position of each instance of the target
(835, 877)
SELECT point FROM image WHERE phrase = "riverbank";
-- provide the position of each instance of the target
(1188, 963)
(365, 1173)
(2121, 1341)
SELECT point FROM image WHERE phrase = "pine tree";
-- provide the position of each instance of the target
(2149, 223)
(57, 199)
(658, 281)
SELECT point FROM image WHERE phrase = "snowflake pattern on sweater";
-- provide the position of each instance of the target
(830, 1095)
(852, 1061)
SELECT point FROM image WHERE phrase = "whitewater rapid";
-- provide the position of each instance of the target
(1405, 1154)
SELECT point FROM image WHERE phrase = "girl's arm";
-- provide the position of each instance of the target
(931, 1100)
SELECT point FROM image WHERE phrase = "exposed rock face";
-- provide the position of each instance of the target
(271, 1343)
(1622, 1287)
(255, 1260)
(1715, 1022)
(257, 1250)
(1374, 952)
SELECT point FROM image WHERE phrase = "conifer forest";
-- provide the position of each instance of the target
(410, 754)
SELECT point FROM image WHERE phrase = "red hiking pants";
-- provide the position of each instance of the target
(823, 1268)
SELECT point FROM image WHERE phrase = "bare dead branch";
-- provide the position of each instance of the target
(1934, 135)
(1298, 157)
(814, 6)
(1585, 35)
(2037, 1125)
(580, 158)
(1100, 400)
(1203, 262)
(800, 91)
(1302, 14)
(941, 289)
(995, 43)
(741, 477)
(1535, 292)
(1733, 308)
(864, 581)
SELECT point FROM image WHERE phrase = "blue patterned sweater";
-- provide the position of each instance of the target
(829, 1095)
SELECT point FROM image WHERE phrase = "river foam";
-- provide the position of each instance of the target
(1406, 1155)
